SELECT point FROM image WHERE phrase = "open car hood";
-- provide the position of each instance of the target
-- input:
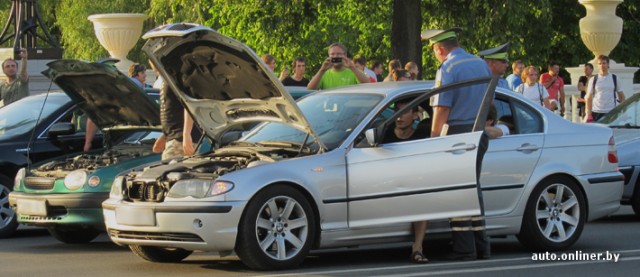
(108, 96)
(222, 82)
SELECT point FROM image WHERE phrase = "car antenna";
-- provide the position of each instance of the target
(33, 132)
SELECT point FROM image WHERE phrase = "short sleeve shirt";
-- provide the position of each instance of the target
(464, 102)
(514, 81)
(334, 79)
(289, 81)
(555, 87)
(15, 91)
(603, 93)
(535, 93)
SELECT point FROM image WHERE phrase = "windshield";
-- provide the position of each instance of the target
(332, 116)
(626, 115)
(21, 116)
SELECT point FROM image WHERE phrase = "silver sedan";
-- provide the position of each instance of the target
(321, 173)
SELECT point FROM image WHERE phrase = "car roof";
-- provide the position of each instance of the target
(387, 89)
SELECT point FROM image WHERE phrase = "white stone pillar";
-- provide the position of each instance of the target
(118, 33)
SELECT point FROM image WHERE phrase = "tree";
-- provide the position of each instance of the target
(406, 44)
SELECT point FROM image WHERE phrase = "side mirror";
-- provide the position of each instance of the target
(370, 135)
(61, 129)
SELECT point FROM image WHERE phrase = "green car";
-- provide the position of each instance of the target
(65, 194)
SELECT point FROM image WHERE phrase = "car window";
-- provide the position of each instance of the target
(332, 116)
(505, 115)
(625, 115)
(527, 121)
(21, 116)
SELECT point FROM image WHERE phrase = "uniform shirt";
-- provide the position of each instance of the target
(334, 79)
(514, 81)
(464, 102)
(603, 97)
(502, 83)
(554, 88)
(15, 91)
(534, 93)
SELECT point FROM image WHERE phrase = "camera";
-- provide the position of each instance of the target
(17, 52)
(336, 60)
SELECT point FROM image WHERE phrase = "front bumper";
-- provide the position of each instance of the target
(59, 209)
(205, 226)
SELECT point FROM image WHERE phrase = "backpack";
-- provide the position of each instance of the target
(615, 86)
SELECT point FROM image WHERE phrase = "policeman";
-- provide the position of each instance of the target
(459, 109)
(498, 60)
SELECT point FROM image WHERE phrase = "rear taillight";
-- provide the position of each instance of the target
(612, 155)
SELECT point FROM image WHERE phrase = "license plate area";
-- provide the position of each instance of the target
(135, 216)
(32, 207)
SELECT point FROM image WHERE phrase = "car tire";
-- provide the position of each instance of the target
(555, 215)
(268, 241)
(8, 218)
(160, 254)
(73, 235)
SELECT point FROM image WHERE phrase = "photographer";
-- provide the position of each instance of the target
(14, 87)
(337, 70)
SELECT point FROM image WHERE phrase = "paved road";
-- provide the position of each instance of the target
(34, 253)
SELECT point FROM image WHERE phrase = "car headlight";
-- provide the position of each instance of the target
(198, 188)
(116, 188)
(75, 180)
(94, 181)
(19, 177)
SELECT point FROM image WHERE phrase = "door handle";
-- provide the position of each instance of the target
(527, 147)
(459, 147)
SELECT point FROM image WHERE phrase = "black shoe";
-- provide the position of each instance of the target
(483, 256)
(459, 257)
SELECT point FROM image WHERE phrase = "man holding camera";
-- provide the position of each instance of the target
(14, 87)
(337, 70)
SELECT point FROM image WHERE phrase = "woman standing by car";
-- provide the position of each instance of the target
(531, 89)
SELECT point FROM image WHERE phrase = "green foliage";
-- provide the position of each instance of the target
(304, 28)
(77, 35)
(538, 30)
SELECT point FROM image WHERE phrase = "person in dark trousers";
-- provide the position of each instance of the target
(458, 109)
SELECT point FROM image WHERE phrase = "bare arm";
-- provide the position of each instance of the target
(315, 81)
(620, 96)
(159, 145)
(546, 103)
(362, 78)
(90, 133)
(24, 76)
(187, 141)
(440, 117)
(493, 132)
(588, 102)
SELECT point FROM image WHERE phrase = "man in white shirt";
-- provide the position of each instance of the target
(603, 93)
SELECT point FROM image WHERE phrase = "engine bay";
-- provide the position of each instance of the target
(153, 183)
(91, 161)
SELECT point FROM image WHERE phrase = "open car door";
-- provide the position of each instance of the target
(422, 179)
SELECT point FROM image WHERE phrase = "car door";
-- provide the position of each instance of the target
(424, 179)
(511, 159)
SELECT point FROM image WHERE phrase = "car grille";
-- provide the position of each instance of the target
(151, 236)
(145, 191)
(39, 183)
